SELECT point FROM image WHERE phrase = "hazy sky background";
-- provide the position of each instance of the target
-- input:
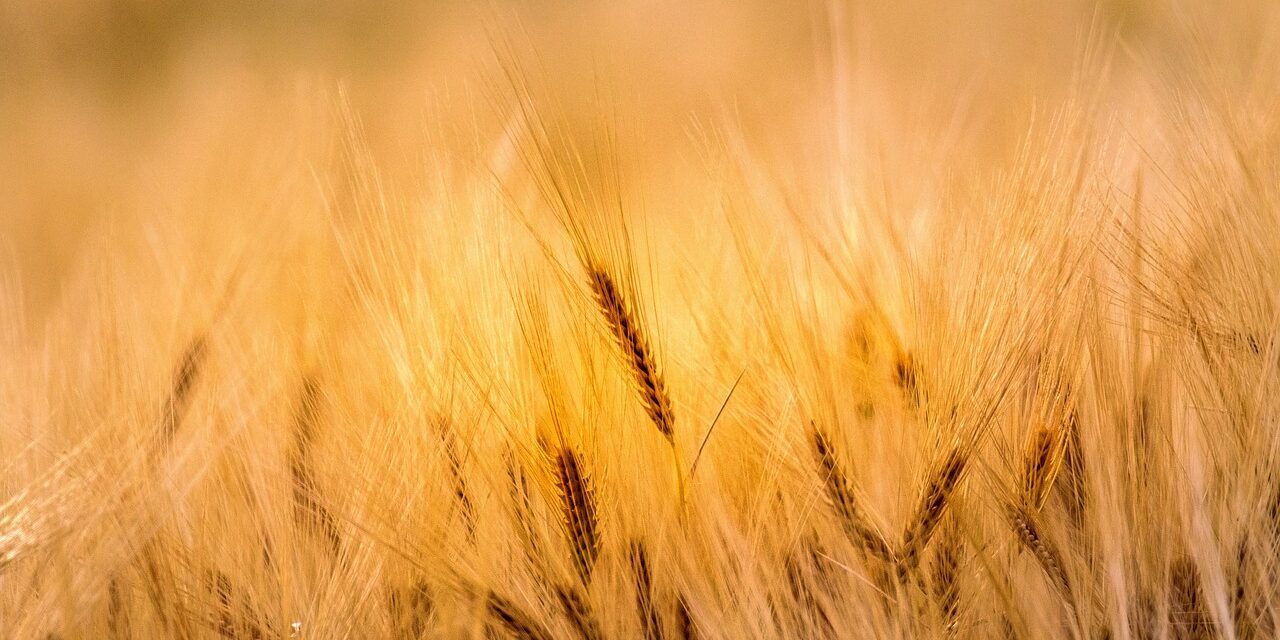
(112, 106)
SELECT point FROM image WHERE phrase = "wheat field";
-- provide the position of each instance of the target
(640, 319)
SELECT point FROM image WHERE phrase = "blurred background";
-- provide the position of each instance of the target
(111, 110)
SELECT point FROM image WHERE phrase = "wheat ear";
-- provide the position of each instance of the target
(578, 611)
(411, 609)
(840, 494)
(184, 379)
(522, 510)
(650, 624)
(685, 625)
(1041, 463)
(308, 510)
(799, 579)
(629, 336)
(578, 508)
(934, 500)
(460, 490)
(1026, 525)
(945, 578)
(1188, 617)
(512, 618)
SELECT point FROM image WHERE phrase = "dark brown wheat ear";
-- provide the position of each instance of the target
(630, 339)
(411, 609)
(1188, 614)
(1041, 462)
(118, 620)
(514, 620)
(578, 511)
(803, 575)
(461, 492)
(578, 611)
(237, 617)
(628, 335)
(650, 623)
(522, 512)
(946, 475)
(686, 627)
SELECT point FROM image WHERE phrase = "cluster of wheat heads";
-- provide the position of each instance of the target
(1039, 402)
